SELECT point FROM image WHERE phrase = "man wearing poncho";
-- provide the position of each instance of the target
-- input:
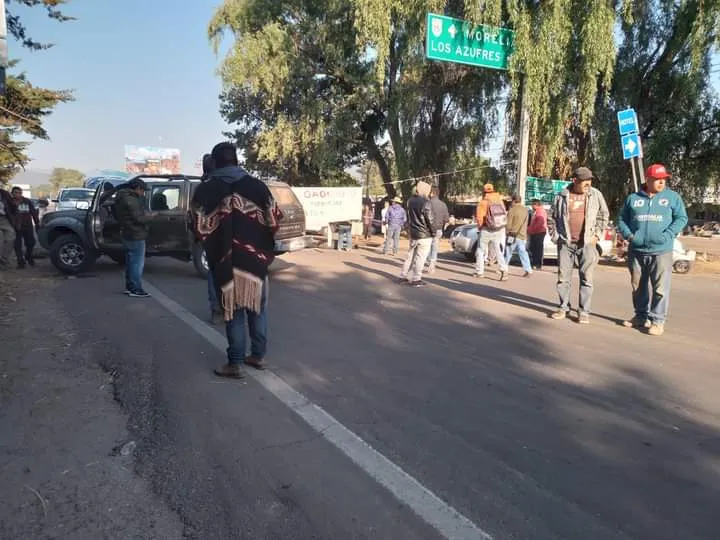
(237, 218)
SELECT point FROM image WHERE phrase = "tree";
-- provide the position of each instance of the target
(44, 191)
(25, 106)
(61, 177)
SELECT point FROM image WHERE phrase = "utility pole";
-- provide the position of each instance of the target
(3, 47)
(524, 143)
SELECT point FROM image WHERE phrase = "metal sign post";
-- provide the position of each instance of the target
(3, 47)
(630, 142)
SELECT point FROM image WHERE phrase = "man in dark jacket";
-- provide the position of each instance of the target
(7, 228)
(422, 230)
(441, 216)
(650, 221)
(26, 219)
(134, 220)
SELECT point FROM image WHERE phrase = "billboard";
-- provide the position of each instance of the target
(152, 160)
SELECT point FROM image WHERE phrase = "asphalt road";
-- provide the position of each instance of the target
(530, 428)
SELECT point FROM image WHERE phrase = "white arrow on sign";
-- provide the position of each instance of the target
(630, 146)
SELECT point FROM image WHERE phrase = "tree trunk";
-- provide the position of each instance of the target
(376, 155)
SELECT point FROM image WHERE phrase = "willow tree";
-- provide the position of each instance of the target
(311, 94)
(664, 71)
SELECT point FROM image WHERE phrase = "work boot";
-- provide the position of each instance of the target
(637, 322)
(21, 265)
(656, 329)
(559, 315)
(256, 362)
(527, 274)
(230, 371)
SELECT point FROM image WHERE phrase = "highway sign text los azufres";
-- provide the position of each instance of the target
(459, 41)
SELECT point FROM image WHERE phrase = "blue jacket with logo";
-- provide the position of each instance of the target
(651, 224)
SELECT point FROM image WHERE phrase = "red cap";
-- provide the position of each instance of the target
(657, 170)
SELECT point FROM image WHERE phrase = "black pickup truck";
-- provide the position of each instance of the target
(76, 238)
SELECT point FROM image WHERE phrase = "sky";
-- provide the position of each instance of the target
(143, 73)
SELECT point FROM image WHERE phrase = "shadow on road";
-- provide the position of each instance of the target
(506, 417)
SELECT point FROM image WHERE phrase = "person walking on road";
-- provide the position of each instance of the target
(7, 228)
(537, 230)
(237, 218)
(650, 220)
(516, 234)
(441, 217)
(133, 218)
(383, 219)
(422, 231)
(395, 219)
(579, 217)
(367, 219)
(491, 217)
(26, 219)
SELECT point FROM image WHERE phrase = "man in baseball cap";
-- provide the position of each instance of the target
(650, 221)
(579, 218)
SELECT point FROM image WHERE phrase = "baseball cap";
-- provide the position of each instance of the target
(656, 170)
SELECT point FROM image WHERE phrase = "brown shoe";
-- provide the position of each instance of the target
(230, 371)
(255, 362)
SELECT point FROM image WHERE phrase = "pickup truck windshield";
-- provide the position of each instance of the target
(77, 195)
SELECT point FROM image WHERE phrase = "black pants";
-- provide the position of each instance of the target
(24, 236)
(536, 249)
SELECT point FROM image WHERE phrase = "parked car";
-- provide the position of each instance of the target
(464, 240)
(77, 237)
(72, 198)
(683, 259)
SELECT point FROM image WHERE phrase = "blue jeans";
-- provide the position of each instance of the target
(432, 259)
(257, 325)
(393, 235)
(134, 264)
(586, 258)
(650, 278)
(521, 248)
(212, 293)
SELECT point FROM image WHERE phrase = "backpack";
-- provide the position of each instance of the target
(496, 216)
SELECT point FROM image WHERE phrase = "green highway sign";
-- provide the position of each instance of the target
(456, 40)
(543, 189)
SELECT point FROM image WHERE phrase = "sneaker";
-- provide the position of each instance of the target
(478, 275)
(559, 315)
(527, 274)
(656, 329)
(431, 269)
(138, 294)
(31, 262)
(403, 281)
(583, 318)
(419, 283)
(230, 371)
(637, 322)
(503, 276)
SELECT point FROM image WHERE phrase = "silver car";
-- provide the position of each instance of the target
(464, 240)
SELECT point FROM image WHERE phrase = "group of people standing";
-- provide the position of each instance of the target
(650, 221)
(18, 219)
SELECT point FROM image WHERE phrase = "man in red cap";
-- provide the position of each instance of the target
(650, 221)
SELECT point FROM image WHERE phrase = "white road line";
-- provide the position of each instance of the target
(444, 518)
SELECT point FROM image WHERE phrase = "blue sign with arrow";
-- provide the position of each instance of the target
(631, 146)
(628, 122)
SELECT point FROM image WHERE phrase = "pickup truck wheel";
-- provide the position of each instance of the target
(70, 255)
(199, 260)
(681, 267)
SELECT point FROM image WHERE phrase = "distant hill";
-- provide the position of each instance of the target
(33, 177)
